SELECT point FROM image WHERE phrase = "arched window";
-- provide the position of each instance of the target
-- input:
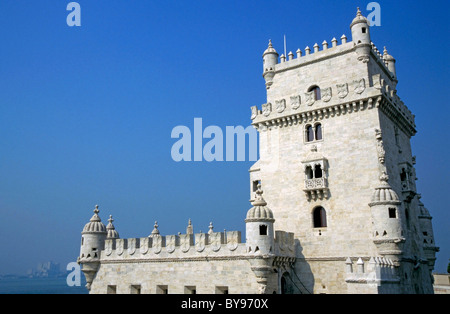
(309, 133)
(318, 131)
(313, 133)
(319, 217)
(309, 173)
(316, 90)
(317, 172)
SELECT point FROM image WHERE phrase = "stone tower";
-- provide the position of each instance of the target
(337, 168)
(93, 239)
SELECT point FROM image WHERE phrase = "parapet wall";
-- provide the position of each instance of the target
(215, 244)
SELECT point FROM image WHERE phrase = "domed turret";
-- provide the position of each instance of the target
(386, 218)
(93, 237)
(111, 230)
(390, 63)
(270, 59)
(361, 36)
(429, 247)
(259, 226)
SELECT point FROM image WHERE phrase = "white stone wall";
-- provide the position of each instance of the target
(207, 276)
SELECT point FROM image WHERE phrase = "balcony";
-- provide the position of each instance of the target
(316, 188)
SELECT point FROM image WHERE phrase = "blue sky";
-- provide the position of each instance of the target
(86, 113)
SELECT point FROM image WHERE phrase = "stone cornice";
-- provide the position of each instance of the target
(183, 259)
(317, 114)
(380, 101)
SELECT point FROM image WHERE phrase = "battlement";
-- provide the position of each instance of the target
(320, 53)
(181, 245)
(227, 243)
(314, 55)
(377, 270)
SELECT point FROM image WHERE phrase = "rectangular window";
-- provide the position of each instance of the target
(111, 289)
(392, 213)
(262, 230)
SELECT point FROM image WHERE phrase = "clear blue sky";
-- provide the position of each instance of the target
(86, 112)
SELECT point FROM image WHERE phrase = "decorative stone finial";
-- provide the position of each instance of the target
(155, 230)
(384, 177)
(259, 200)
(210, 228)
(190, 228)
(96, 211)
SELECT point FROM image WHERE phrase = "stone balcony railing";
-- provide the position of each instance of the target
(316, 188)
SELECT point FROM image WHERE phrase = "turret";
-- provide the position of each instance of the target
(111, 230)
(93, 239)
(270, 59)
(386, 218)
(390, 63)
(259, 227)
(361, 36)
(426, 228)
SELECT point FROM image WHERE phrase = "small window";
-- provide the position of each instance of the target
(309, 173)
(319, 217)
(317, 172)
(363, 30)
(309, 133)
(392, 213)
(262, 230)
(316, 90)
(403, 175)
(318, 132)
(313, 133)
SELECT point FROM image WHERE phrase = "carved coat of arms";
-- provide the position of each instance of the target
(157, 244)
(131, 246)
(280, 105)
(359, 86)
(171, 242)
(309, 98)
(295, 102)
(326, 94)
(342, 90)
(144, 245)
(267, 109)
(200, 242)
